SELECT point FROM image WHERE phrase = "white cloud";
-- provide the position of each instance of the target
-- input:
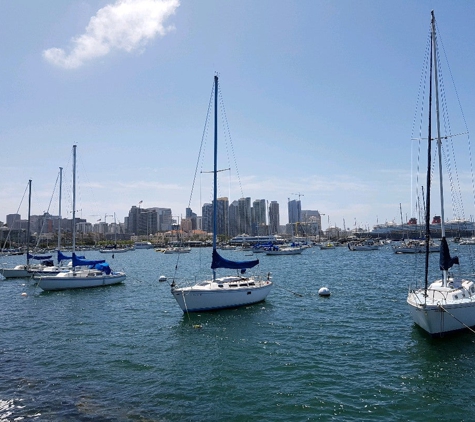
(125, 25)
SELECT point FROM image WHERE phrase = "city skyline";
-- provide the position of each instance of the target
(262, 216)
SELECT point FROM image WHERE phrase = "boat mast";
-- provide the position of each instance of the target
(28, 226)
(215, 171)
(59, 206)
(74, 198)
(439, 142)
(429, 162)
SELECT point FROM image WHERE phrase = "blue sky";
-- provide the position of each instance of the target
(320, 98)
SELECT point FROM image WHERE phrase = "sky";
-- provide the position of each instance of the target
(320, 100)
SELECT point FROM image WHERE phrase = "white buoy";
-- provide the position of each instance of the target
(162, 278)
(324, 291)
(24, 294)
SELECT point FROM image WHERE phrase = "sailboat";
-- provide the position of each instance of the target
(229, 291)
(83, 273)
(447, 304)
(23, 270)
(55, 269)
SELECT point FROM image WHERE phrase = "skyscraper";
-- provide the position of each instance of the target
(244, 216)
(294, 211)
(258, 217)
(274, 218)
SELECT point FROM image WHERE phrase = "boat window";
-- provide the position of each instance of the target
(233, 285)
(220, 285)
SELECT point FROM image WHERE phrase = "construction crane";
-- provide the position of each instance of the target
(107, 215)
(298, 194)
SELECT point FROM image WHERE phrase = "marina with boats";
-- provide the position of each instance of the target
(305, 324)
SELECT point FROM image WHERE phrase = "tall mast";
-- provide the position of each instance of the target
(28, 226)
(429, 159)
(215, 172)
(439, 143)
(74, 198)
(59, 206)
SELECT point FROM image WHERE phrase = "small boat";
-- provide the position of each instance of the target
(143, 245)
(447, 304)
(365, 245)
(228, 291)
(327, 245)
(25, 270)
(284, 250)
(114, 250)
(177, 249)
(415, 246)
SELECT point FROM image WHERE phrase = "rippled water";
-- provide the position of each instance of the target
(128, 353)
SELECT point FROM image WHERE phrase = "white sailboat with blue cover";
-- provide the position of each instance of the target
(83, 273)
(222, 292)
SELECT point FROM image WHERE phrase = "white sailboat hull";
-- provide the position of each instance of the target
(446, 309)
(79, 280)
(285, 251)
(113, 250)
(20, 271)
(230, 292)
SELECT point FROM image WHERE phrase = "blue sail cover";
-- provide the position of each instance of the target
(220, 262)
(62, 257)
(39, 257)
(446, 261)
(104, 267)
(77, 261)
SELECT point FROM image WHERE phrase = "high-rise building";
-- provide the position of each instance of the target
(259, 217)
(294, 211)
(207, 217)
(244, 215)
(312, 222)
(11, 219)
(222, 216)
(146, 221)
(233, 219)
(274, 217)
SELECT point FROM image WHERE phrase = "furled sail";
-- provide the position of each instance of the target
(39, 257)
(446, 261)
(63, 257)
(77, 262)
(220, 262)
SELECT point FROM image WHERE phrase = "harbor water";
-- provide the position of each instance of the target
(128, 352)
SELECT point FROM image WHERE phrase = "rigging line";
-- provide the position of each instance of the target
(442, 137)
(421, 95)
(454, 317)
(463, 118)
(228, 134)
(47, 210)
(17, 212)
(202, 144)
